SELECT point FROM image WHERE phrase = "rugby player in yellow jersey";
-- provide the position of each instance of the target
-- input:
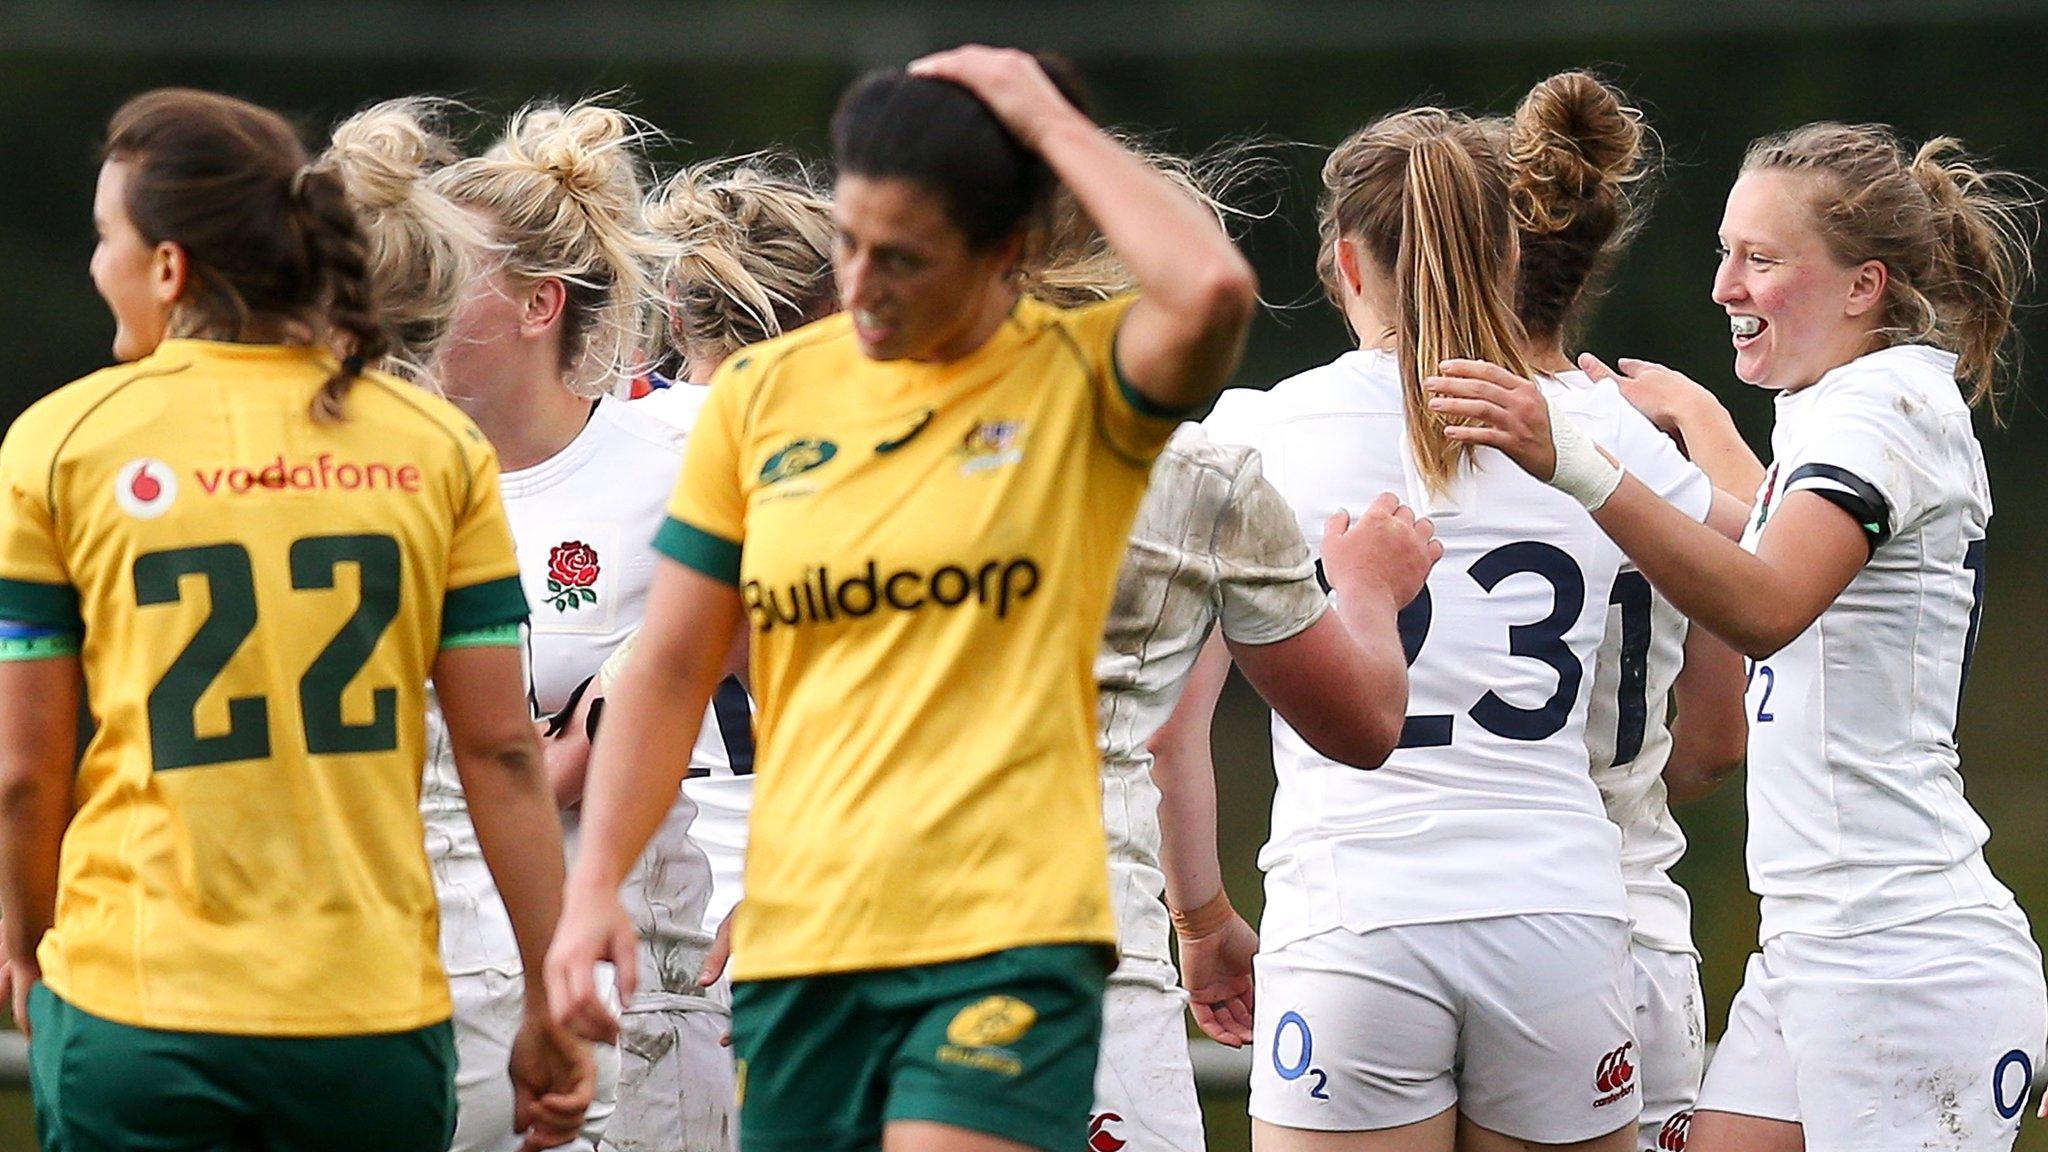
(253, 553)
(920, 505)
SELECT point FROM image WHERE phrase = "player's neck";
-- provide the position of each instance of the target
(1550, 360)
(528, 422)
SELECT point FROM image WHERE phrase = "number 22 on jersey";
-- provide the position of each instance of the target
(174, 739)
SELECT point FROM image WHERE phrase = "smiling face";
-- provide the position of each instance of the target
(916, 288)
(1795, 311)
(138, 280)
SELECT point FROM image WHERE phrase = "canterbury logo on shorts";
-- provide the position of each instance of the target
(1615, 1077)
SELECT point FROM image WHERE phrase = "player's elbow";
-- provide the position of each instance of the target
(506, 760)
(1702, 762)
(1765, 630)
(1364, 739)
(1223, 293)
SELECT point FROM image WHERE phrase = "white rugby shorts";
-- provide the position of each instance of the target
(488, 1008)
(676, 1081)
(1144, 1081)
(1924, 1035)
(1521, 1022)
(1671, 1039)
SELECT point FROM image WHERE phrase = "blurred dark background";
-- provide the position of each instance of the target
(721, 78)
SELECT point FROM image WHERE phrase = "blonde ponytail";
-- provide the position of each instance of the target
(422, 247)
(1425, 193)
(753, 253)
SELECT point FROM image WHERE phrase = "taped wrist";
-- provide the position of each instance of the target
(1583, 472)
(1196, 923)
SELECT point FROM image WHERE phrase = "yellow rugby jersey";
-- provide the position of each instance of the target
(926, 553)
(260, 597)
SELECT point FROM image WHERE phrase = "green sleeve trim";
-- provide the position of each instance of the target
(16, 649)
(693, 547)
(51, 605)
(494, 602)
(493, 636)
(1140, 403)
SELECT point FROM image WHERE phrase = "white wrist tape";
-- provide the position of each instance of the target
(1583, 472)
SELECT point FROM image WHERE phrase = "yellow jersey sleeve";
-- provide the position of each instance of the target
(35, 585)
(485, 602)
(1134, 427)
(707, 516)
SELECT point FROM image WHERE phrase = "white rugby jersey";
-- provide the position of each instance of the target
(1213, 544)
(1628, 741)
(582, 525)
(721, 780)
(1857, 819)
(1487, 807)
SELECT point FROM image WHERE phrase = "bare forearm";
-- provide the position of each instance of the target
(1712, 580)
(520, 832)
(33, 816)
(1380, 667)
(1185, 773)
(1709, 731)
(1171, 242)
(1184, 337)
(1717, 447)
(38, 710)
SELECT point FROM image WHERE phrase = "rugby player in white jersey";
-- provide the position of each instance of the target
(1445, 944)
(1579, 157)
(1897, 1000)
(1213, 545)
(534, 349)
(1216, 549)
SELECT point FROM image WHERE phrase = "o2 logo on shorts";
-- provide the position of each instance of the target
(1100, 1138)
(1615, 1078)
(1300, 1066)
(2009, 1092)
(1671, 1137)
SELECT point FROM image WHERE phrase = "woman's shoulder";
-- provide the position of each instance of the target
(46, 422)
(1908, 384)
(1358, 381)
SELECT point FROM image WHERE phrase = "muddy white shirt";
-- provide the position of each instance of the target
(1857, 819)
(1213, 544)
(1486, 808)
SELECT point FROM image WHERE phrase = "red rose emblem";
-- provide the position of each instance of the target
(572, 570)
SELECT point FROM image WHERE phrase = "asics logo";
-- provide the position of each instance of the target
(924, 418)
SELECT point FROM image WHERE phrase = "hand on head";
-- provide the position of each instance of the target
(1012, 83)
